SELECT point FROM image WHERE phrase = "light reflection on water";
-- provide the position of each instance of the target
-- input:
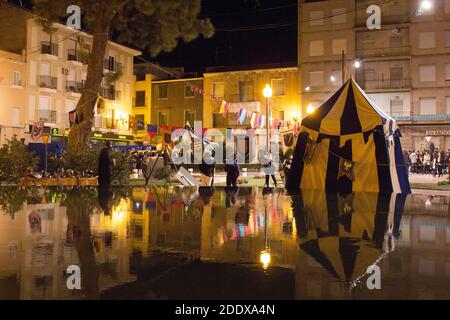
(171, 243)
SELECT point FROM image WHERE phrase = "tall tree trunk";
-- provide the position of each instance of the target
(80, 134)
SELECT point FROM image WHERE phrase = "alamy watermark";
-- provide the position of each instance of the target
(74, 280)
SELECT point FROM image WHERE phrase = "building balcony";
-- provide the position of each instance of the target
(110, 94)
(73, 56)
(49, 48)
(384, 52)
(427, 118)
(48, 82)
(47, 116)
(112, 66)
(74, 87)
(386, 84)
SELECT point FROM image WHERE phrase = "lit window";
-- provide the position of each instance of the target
(219, 89)
(447, 38)
(16, 78)
(278, 87)
(427, 106)
(339, 45)
(188, 92)
(427, 73)
(316, 48)
(316, 78)
(427, 40)
(163, 91)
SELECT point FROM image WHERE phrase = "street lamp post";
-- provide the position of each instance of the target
(267, 94)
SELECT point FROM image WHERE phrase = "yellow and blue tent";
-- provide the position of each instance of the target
(348, 145)
(345, 234)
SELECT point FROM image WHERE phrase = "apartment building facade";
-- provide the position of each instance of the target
(56, 69)
(242, 88)
(12, 93)
(403, 65)
(174, 103)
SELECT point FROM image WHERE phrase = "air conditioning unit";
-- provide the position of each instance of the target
(65, 71)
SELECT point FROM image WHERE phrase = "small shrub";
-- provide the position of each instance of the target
(15, 159)
(163, 173)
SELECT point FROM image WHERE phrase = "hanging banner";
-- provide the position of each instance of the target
(37, 130)
(261, 121)
(101, 105)
(346, 169)
(242, 116)
(73, 118)
(152, 130)
(310, 150)
(254, 120)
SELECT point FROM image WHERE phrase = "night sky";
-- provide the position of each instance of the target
(248, 32)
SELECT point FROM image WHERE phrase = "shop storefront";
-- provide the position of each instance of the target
(420, 137)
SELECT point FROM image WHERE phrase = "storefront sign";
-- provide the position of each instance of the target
(112, 136)
(438, 133)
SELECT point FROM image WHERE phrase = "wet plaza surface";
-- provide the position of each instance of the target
(170, 243)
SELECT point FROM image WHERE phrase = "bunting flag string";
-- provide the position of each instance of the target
(257, 120)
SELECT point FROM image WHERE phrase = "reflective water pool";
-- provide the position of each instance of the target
(171, 243)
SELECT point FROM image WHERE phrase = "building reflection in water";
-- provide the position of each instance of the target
(325, 241)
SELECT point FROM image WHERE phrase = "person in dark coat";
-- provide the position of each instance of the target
(207, 169)
(104, 167)
(233, 172)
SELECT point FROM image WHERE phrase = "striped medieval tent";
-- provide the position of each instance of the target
(346, 234)
(347, 145)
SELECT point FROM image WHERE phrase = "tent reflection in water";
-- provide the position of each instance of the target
(348, 145)
(346, 234)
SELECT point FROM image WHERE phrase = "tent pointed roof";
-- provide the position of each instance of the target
(349, 111)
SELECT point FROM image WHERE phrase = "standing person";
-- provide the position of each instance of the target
(268, 167)
(146, 169)
(207, 168)
(104, 167)
(233, 172)
(427, 162)
(413, 159)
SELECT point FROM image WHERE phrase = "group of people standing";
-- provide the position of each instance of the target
(433, 161)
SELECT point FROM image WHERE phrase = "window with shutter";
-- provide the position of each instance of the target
(427, 106)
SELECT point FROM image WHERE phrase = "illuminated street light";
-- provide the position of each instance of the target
(426, 5)
(307, 88)
(333, 79)
(265, 258)
(310, 109)
(267, 92)
(357, 64)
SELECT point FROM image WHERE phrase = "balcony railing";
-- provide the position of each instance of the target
(48, 82)
(384, 52)
(49, 48)
(72, 55)
(435, 117)
(112, 65)
(386, 84)
(47, 116)
(73, 86)
(110, 94)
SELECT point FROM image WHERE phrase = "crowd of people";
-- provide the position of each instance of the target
(432, 161)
